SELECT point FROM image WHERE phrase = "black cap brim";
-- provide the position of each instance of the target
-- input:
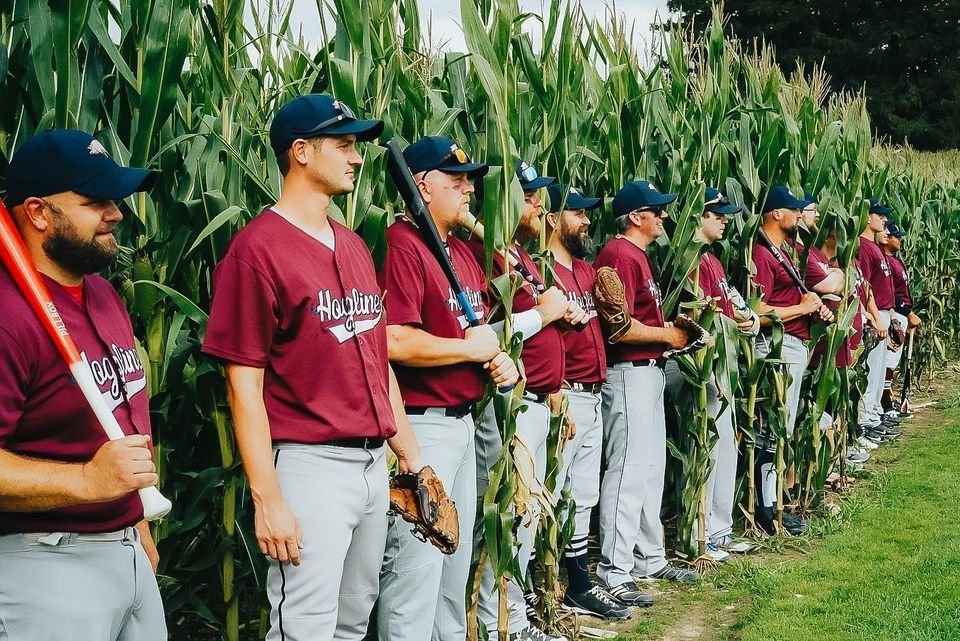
(471, 169)
(118, 183)
(724, 210)
(537, 183)
(576, 202)
(661, 200)
(364, 130)
(881, 211)
(796, 203)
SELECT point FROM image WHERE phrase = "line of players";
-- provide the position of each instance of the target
(329, 362)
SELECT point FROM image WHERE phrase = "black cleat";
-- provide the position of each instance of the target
(596, 602)
(629, 594)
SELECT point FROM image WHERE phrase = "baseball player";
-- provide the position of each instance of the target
(825, 278)
(537, 317)
(712, 281)
(297, 318)
(876, 270)
(75, 553)
(634, 432)
(902, 310)
(782, 296)
(568, 231)
(442, 366)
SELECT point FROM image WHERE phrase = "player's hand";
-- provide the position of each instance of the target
(278, 531)
(810, 303)
(746, 326)
(481, 343)
(502, 370)
(676, 338)
(575, 315)
(118, 468)
(408, 464)
(148, 545)
(571, 425)
(826, 314)
(552, 305)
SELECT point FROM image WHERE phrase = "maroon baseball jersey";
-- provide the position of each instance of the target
(584, 353)
(876, 270)
(779, 290)
(44, 415)
(901, 282)
(818, 266)
(313, 319)
(417, 293)
(641, 292)
(542, 354)
(713, 282)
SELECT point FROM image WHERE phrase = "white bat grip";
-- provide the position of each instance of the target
(155, 505)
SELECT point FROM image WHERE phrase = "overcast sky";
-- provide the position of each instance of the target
(444, 17)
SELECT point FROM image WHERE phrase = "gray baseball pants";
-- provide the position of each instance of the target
(78, 587)
(722, 481)
(870, 406)
(423, 591)
(533, 424)
(796, 357)
(635, 447)
(340, 495)
(580, 468)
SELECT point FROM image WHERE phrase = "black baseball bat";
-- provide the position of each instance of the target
(907, 377)
(791, 271)
(410, 193)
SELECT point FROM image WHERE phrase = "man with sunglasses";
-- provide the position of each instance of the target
(297, 318)
(442, 366)
(76, 556)
(568, 234)
(781, 295)
(902, 311)
(537, 316)
(711, 280)
(634, 430)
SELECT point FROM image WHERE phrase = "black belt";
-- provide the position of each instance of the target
(650, 362)
(452, 412)
(590, 388)
(368, 443)
(537, 398)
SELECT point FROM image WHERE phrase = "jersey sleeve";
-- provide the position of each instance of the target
(765, 275)
(865, 261)
(244, 315)
(401, 279)
(14, 378)
(815, 272)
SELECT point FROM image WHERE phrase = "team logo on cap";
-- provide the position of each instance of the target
(651, 187)
(96, 148)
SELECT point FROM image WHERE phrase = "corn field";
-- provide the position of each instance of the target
(190, 86)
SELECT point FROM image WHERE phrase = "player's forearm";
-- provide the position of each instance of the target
(832, 284)
(36, 485)
(414, 347)
(527, 323)
(404, 442)
(646, 335)
(785, 314)
(252, 430)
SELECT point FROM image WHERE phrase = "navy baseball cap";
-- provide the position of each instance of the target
(440, 152)
(575, 200)
(780, 197)
(61, 160)
(639, 194)
(716, 202)
(810, 198)
(894, 230)
(318, 114)
(880, 208)
(530, 180)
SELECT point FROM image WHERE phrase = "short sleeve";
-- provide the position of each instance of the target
(764, 276)
(401, 279)
(815, 271)
(14, 379)
(244, 315)
(865, 260)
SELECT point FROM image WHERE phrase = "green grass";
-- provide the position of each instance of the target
(888, 568)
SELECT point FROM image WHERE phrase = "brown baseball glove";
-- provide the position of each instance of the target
(421, 500)
(895, 335)
(697, 337)
(611, 304)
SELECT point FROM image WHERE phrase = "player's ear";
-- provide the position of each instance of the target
(33, 213)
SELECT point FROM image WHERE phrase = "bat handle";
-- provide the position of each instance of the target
(155, 505)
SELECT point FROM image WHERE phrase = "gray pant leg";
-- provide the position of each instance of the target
(72, 590)
(650, 554)
(580, 469)
(488, 445)
(794, 352)
(340, 497)
(723, 478)
(635, 449)
(533, 425)
(870, 407)
(420, 587)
